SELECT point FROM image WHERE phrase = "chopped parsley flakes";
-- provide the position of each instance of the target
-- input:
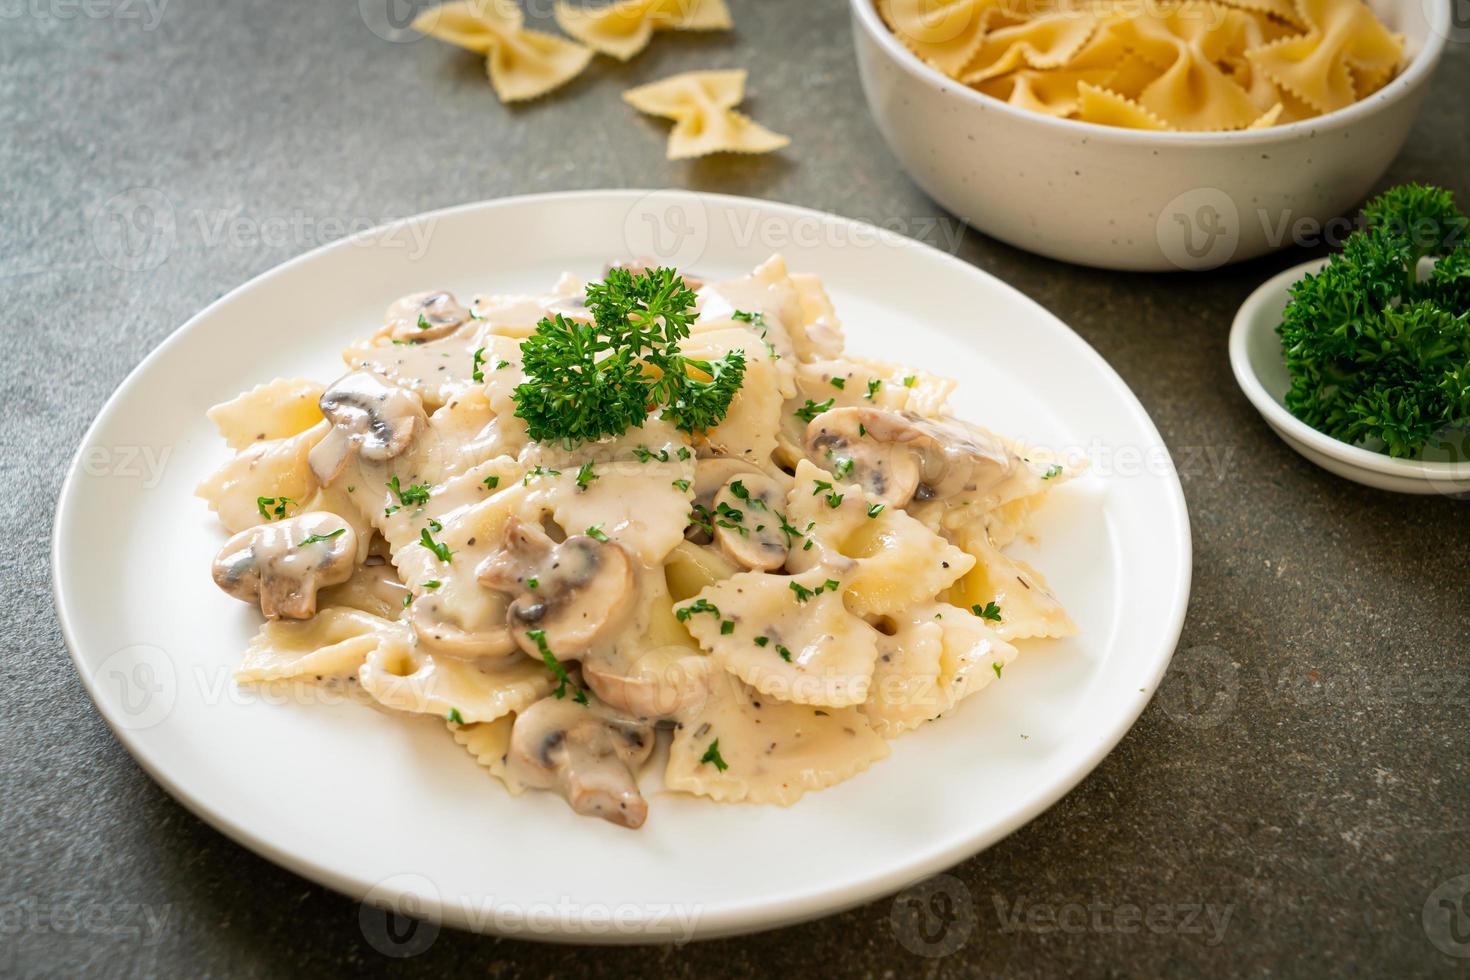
(316, 538)
(991, 611)
(712, 756)
(418, 493)
(557, 670)
(696, 607)
(441, 551)
(812, 409)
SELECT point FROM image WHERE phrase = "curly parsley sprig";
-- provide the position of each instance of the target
(585, 381)
(1378, 354)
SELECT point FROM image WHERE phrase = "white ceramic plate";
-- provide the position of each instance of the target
(391, 809)
(1260, 370)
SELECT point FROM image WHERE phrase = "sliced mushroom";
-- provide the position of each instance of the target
(426, 316)
(436, 633)
(282, 565)
(900, 456)
(574, 591)
(660, 684)
(370, 417)
(747, 522)
(589, 754)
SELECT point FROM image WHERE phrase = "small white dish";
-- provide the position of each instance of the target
(1260, 370)
(1130, 199)
(389, 809)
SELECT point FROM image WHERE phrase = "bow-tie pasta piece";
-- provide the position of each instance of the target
(1285, 11)
(522, 64)
(934, 656)
(332, 644)
(1008, 593)
(270, 411)
(623, 29)
(748, 430)
(266, 480)
(789, 637)
(701, 103)
(1051, 92)
(1189, 42)
(488, 742)
(743, 747)
(945, 33)
(1098, 105)
(402, 676)
(1047, 42)
(891, 560)
(1345, 40)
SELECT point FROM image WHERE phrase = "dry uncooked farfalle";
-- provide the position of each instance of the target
(702, 105)
(624, 28)
(522, 64)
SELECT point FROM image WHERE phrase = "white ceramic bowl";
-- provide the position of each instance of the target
(1260, 370)
(1129, 199)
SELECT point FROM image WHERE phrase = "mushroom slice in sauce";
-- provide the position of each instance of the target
(589, 754)
(370, 417)
(282, 565)
(753, 538)
(574, 591)
(438, 634)
(900, 456)
(426, 316)
(660, 684)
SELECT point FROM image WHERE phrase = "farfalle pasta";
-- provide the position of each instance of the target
(522, 63)
(772, 595)
(1192, 65)
(624, 28)
(702, 105)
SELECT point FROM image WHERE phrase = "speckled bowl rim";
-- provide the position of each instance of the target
(1250, 320)
(1421, 66)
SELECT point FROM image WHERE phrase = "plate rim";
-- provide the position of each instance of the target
(735, 919)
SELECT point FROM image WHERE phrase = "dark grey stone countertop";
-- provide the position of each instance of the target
(1294, 801)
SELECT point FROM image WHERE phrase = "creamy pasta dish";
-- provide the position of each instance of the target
(635, 526)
